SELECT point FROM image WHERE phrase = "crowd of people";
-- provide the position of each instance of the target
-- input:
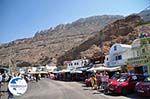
(99, 80)
(6, 77)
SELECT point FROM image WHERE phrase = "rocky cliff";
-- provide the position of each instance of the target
(53, 42)
(87, 37)
(121, 31)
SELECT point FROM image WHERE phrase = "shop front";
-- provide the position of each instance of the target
(3, 70)
(138, 69)
(139, 66)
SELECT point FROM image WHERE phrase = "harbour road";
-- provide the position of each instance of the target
(51, 89)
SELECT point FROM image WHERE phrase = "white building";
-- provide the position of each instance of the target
(118, 55)
(72, 65)
(51, 67)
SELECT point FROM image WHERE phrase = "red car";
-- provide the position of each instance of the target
(125, 84)
(143, 87)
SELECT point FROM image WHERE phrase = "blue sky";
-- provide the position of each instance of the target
(23, 18)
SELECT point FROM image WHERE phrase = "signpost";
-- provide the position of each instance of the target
(17, 86)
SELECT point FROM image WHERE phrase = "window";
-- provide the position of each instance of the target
(77, 63)
(123, 78)
(115, 48)
(137, 53)
(143, 50)
(107, 59)
(119, 57)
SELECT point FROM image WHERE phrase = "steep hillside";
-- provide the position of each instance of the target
(53, 42)
(121, 31)
(145, 14)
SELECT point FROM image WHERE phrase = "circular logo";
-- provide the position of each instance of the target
(17, 86)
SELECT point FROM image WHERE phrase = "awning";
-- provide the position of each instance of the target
(104, 69)
(98, 69)
(64, 71)
(51, 68)
(76, 71)
(85, 68)
(41, 72)
(55, 72)
(114, 68)
(33, 72)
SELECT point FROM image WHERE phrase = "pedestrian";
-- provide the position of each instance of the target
(37, 77)
(98, 79)
(93, 81)
(6, 77)
(101, 80)
(106, 83)
(10, 95)
(104, 80)
(1, 79)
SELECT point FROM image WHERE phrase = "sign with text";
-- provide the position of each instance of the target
(17, 86)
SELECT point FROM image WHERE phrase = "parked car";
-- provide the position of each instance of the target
(143, 87)
(125, 84)
(52, 76)
(115, 77)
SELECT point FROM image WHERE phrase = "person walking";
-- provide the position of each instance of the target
(93, 81)
(98, 77)
(106, 83)
(37, 77)
(104, 80)
(10, 95)
(1, 79)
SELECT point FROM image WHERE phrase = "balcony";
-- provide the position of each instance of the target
(139, 60)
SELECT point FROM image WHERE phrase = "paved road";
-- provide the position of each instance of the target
(50, 89)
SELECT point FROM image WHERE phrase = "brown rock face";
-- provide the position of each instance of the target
(53, 43)
(93, 51)
(121, 31)
(121, 27)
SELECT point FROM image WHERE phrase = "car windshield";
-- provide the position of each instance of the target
(123, 78)
(147, 79)
(116, 76)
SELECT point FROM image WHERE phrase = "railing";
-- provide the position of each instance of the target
(139, 60)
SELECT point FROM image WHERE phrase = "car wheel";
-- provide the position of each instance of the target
(106, 91)
(124, 91)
